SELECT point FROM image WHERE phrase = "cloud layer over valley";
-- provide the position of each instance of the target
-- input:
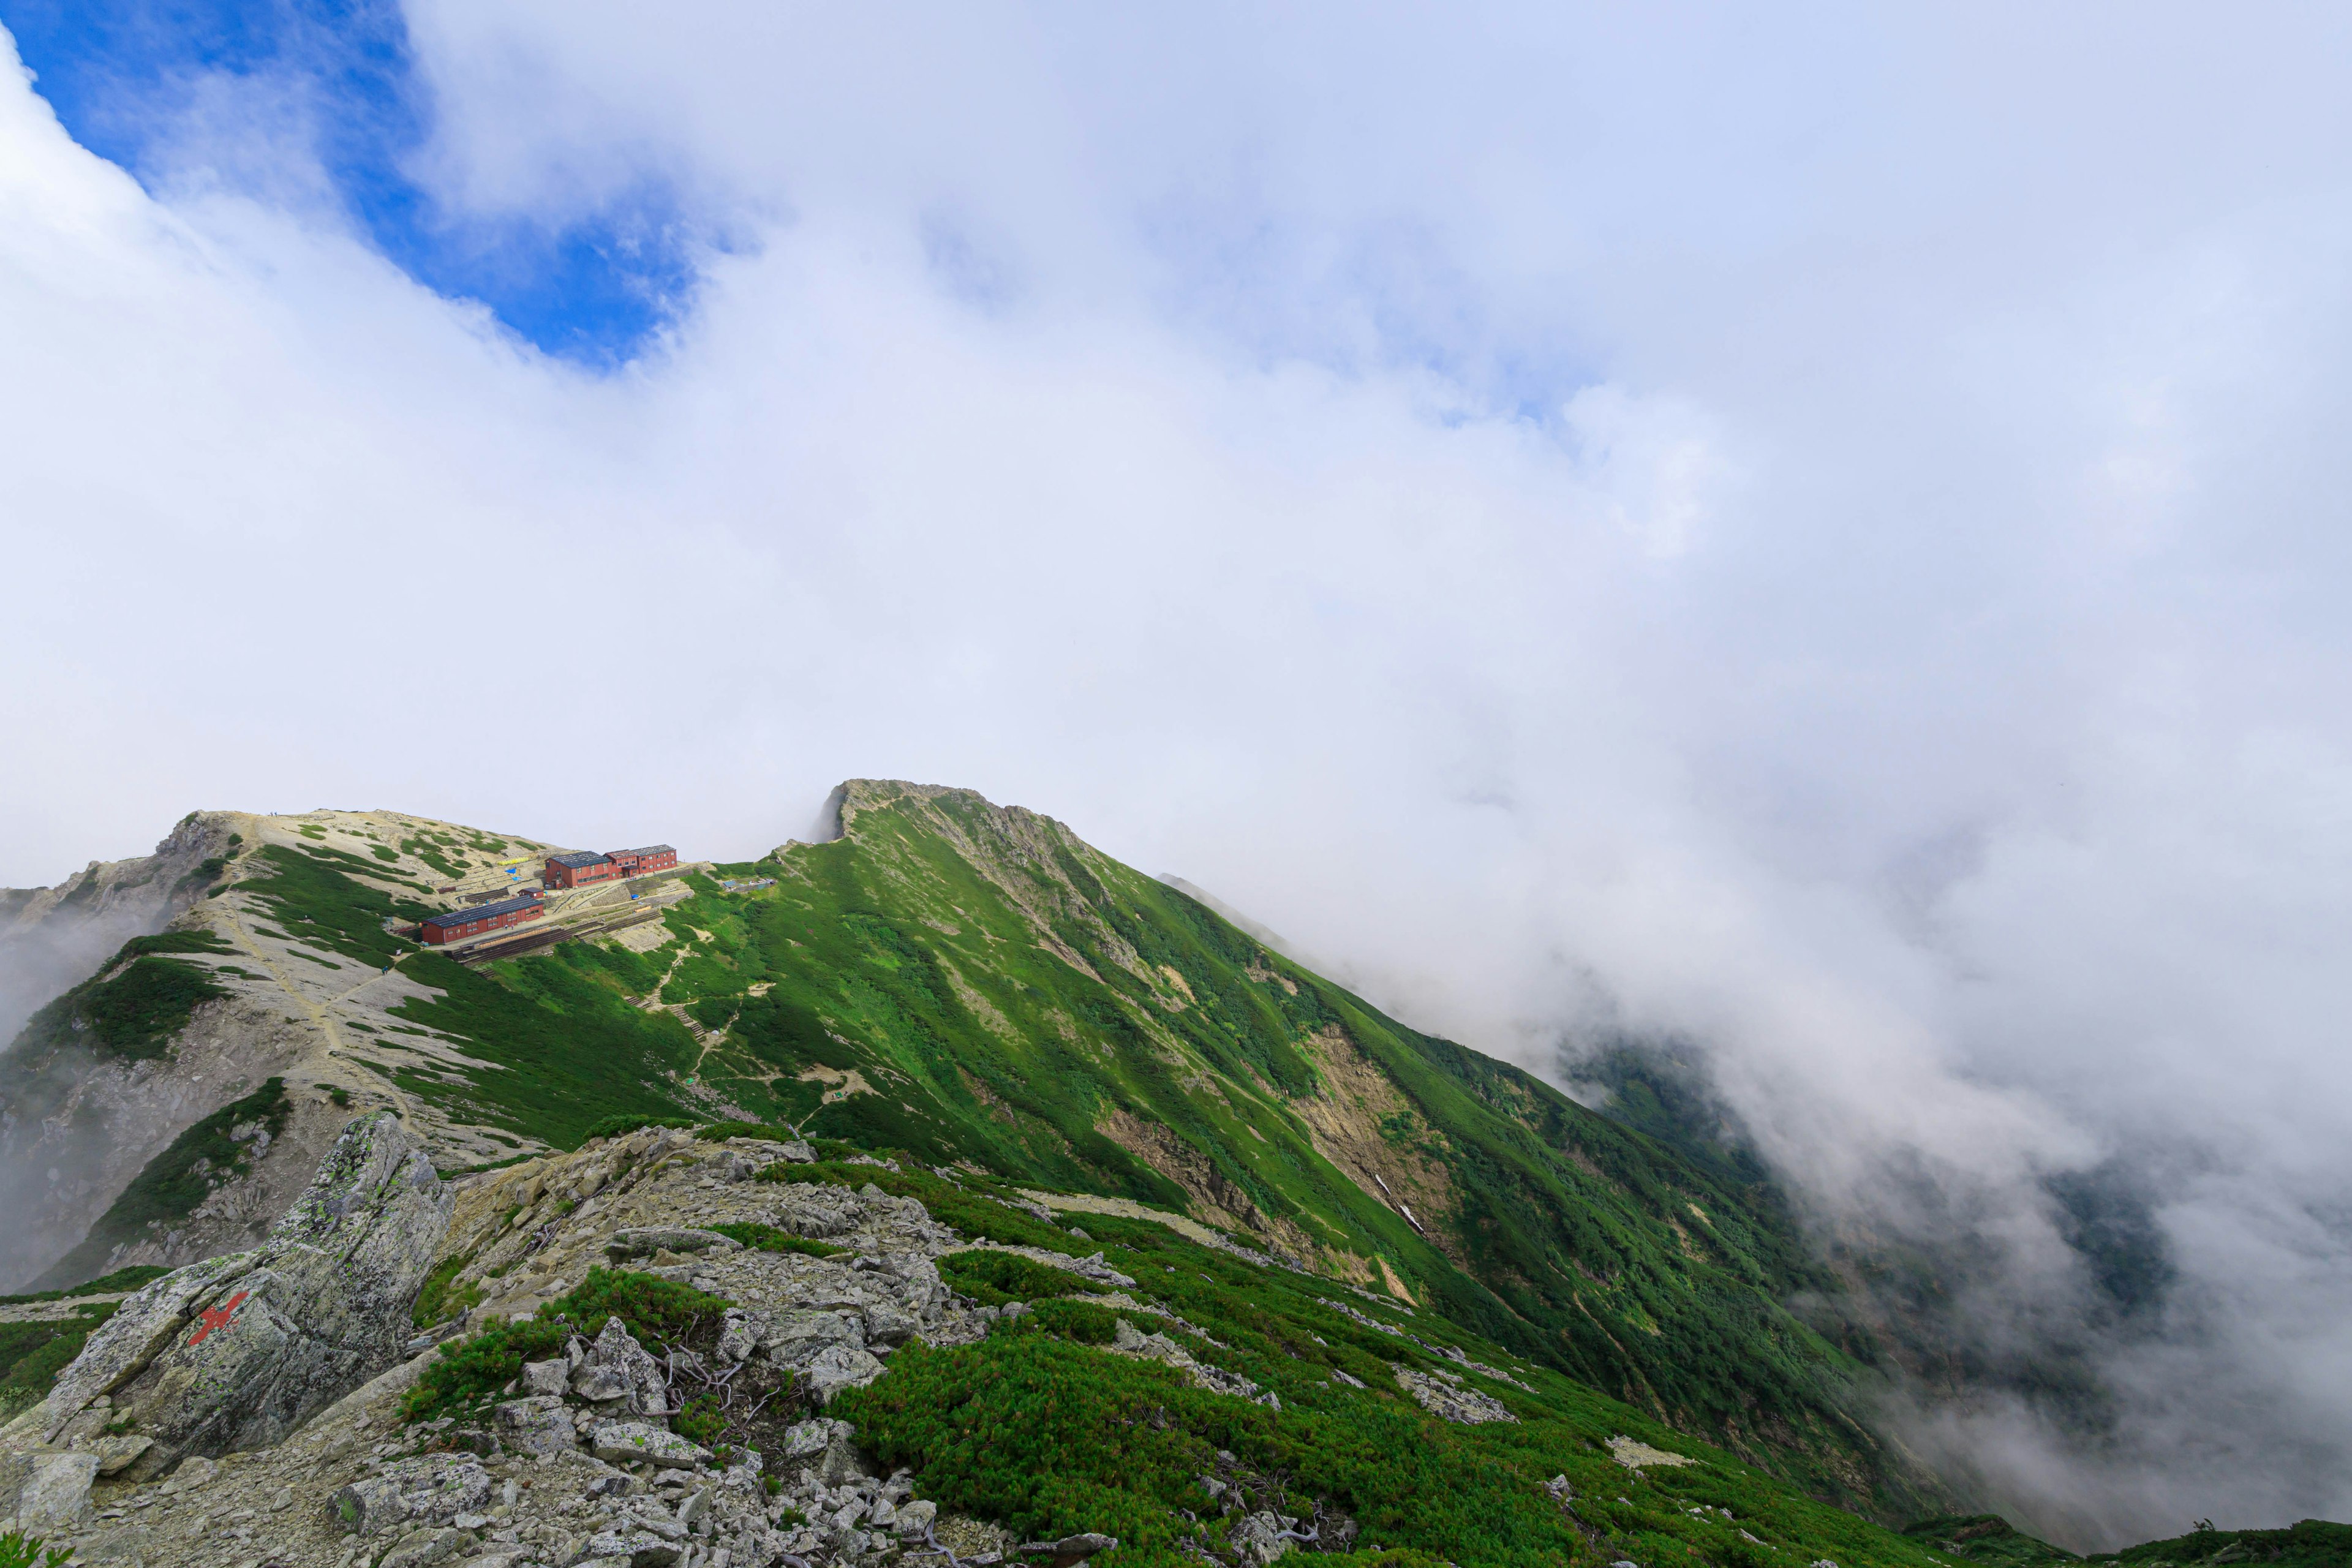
(1826, 541)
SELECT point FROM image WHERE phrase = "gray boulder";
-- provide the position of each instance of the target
(889, 1325)
(795, 1338)
(45, 1491)
(235, 1352)
(546, 1378)
(1444, 1395)
(540, 1425)
(1071, 1550)
(838, 1367)
(423, 1548)
(645, 1242)
(618, 1368)
(633, 1442)
(806, 1439)
(636, 1548)
(413, 1492)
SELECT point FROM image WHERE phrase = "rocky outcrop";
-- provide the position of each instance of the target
(1129, 1340)
(1446, 1396)
(576, 1463)
(236, 1352)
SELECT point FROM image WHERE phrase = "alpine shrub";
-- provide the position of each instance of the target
(661, 1313)
(992, 1278)
(768, 1238)
(621, 1126)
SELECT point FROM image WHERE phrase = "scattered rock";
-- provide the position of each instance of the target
(423, 1548)
(540, 1425)
(1634, 1455)
(424, 1491)
(548, 1377)
(1449, 1399)
(630, 1442)
(116, 1455)
(636, 1547)
(651, 1239)
(1128, 1340)
(1264, 1537)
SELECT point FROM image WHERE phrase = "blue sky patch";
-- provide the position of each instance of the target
(122, 74)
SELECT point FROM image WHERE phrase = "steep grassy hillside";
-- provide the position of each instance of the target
(978, 987)
(975, 984)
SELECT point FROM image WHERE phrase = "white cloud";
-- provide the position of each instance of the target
(1826, 539)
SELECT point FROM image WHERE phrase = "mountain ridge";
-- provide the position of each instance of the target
(976, 985)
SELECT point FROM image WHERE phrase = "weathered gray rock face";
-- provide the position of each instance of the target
(44, 1491)
(235, 1352)
(1451, 1399)
(621, 1374)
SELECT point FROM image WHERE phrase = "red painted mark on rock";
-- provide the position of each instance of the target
(218, 1317)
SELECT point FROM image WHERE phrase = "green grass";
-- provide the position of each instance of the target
(894, 950)
(32, 1354)
(320, 905)
(130, 1278)
(660, 1313)
(573, 1053)
(1005, 992)
(768, 1238)
(1041, 1429)
(174, 1182)
(992, 1278)
(1988, 1538)
(2308, 1543)
(621, 1126)
(136, 1004)
(425, 849)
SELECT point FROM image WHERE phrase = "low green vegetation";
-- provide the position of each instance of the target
(578, 1055)
(2309, 1543)
(174, 1182)
(985, 992)
(440, 1297)
(320, 905)
(621, 1126)
(1988, 1538)
(994, 1279)
(1992, 1541)
(136, 1004)
(1042, 1428)
(19, 1550)
(768, 1238)
(426, 851)
(33, 1353)
(661, 1314)
(353, 864)
(130, 1278)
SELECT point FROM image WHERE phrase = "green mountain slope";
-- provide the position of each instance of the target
(976, 984)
